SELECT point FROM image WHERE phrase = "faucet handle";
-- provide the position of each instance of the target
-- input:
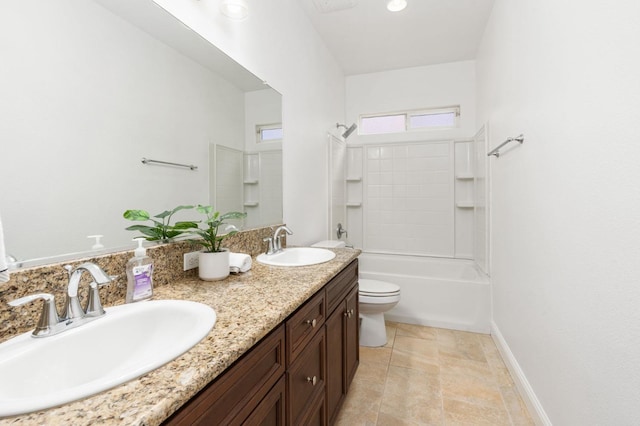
(270, 246)
(94, 305)
(48, 317)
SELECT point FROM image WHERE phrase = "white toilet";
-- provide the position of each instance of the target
(374, 299)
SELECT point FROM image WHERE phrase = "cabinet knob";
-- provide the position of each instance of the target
(313, 380)
(312, 323)
(349, 313)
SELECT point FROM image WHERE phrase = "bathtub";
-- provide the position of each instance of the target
(437, 292)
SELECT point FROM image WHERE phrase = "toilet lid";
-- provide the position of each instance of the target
(377, 288)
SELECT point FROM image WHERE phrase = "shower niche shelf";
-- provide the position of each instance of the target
(465, 205)
(464, 176)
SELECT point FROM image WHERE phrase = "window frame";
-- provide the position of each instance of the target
(271, 126)
(407, 119)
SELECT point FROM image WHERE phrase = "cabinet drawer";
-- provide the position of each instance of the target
(340, 285)
(244, 383)
(303, 324)
(306, 380)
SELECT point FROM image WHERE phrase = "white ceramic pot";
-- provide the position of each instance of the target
(213, 266)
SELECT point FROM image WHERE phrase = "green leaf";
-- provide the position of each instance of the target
(154, 233)
(185, 225)
(177, 209)
(163, 214)
(233, 215)
(136, 215)
(204, 209)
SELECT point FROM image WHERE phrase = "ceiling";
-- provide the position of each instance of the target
(365, 37)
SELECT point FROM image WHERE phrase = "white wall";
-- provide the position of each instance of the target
(565, 222)
(278, 43)
(261, 107)
(79, 82)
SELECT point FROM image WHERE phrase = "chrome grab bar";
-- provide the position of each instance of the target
(150, 161)
(496, 150)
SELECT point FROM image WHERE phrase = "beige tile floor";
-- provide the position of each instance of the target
(433, 376)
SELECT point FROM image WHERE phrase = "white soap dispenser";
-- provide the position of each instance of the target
(139, 272)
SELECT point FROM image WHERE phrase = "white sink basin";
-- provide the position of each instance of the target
(127, 342)
(297, 256)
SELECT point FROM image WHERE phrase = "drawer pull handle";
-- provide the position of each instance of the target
(312, 323)
(313, 380)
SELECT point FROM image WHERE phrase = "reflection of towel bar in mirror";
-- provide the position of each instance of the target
(496, 150)
(150, 161)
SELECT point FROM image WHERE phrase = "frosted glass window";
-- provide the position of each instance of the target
(442, 119)
(383, 124)
(269, 132)
(400, 122)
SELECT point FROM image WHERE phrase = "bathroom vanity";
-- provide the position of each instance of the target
(298, 374)
(283, 351)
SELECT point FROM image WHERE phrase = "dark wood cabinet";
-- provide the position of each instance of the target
(271, 410)
(342, 330)
(306, 380)
(299, 374)
(231, 398)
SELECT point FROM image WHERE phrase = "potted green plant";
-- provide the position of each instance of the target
(160, 230)
(214, 260)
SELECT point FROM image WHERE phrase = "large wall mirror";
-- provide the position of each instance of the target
(89, 89)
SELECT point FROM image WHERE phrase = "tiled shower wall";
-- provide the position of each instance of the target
(412, 198)
(408, 193)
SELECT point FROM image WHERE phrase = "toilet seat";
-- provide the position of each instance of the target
(375, 288)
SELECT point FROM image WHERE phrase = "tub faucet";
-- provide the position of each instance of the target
(277, 237)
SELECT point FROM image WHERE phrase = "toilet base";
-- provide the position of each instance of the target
(373, 332)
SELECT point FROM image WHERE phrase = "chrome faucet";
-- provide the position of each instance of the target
(93, 307)
(50, 323)
(277, 237)
(275, 242)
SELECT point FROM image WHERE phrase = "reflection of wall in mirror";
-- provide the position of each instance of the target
(86, 95)
(250, 182)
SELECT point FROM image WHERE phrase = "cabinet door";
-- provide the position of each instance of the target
(270, 411)
(335, 362)
(352, 336)
(306, 380)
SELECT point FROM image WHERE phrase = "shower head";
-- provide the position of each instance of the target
(348, 130)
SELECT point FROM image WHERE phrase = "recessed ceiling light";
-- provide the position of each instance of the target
(234, 9)
(396, 5)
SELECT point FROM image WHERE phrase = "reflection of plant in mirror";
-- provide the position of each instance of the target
(161, 230)
(210, 239)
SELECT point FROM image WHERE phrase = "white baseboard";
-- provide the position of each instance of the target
(536, 410)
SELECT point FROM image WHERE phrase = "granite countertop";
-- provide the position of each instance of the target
(248, 307)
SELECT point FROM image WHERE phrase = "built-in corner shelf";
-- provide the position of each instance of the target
(354, 179)
(251, 204)
(354, 204)
(464, 176)
(465, 204)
